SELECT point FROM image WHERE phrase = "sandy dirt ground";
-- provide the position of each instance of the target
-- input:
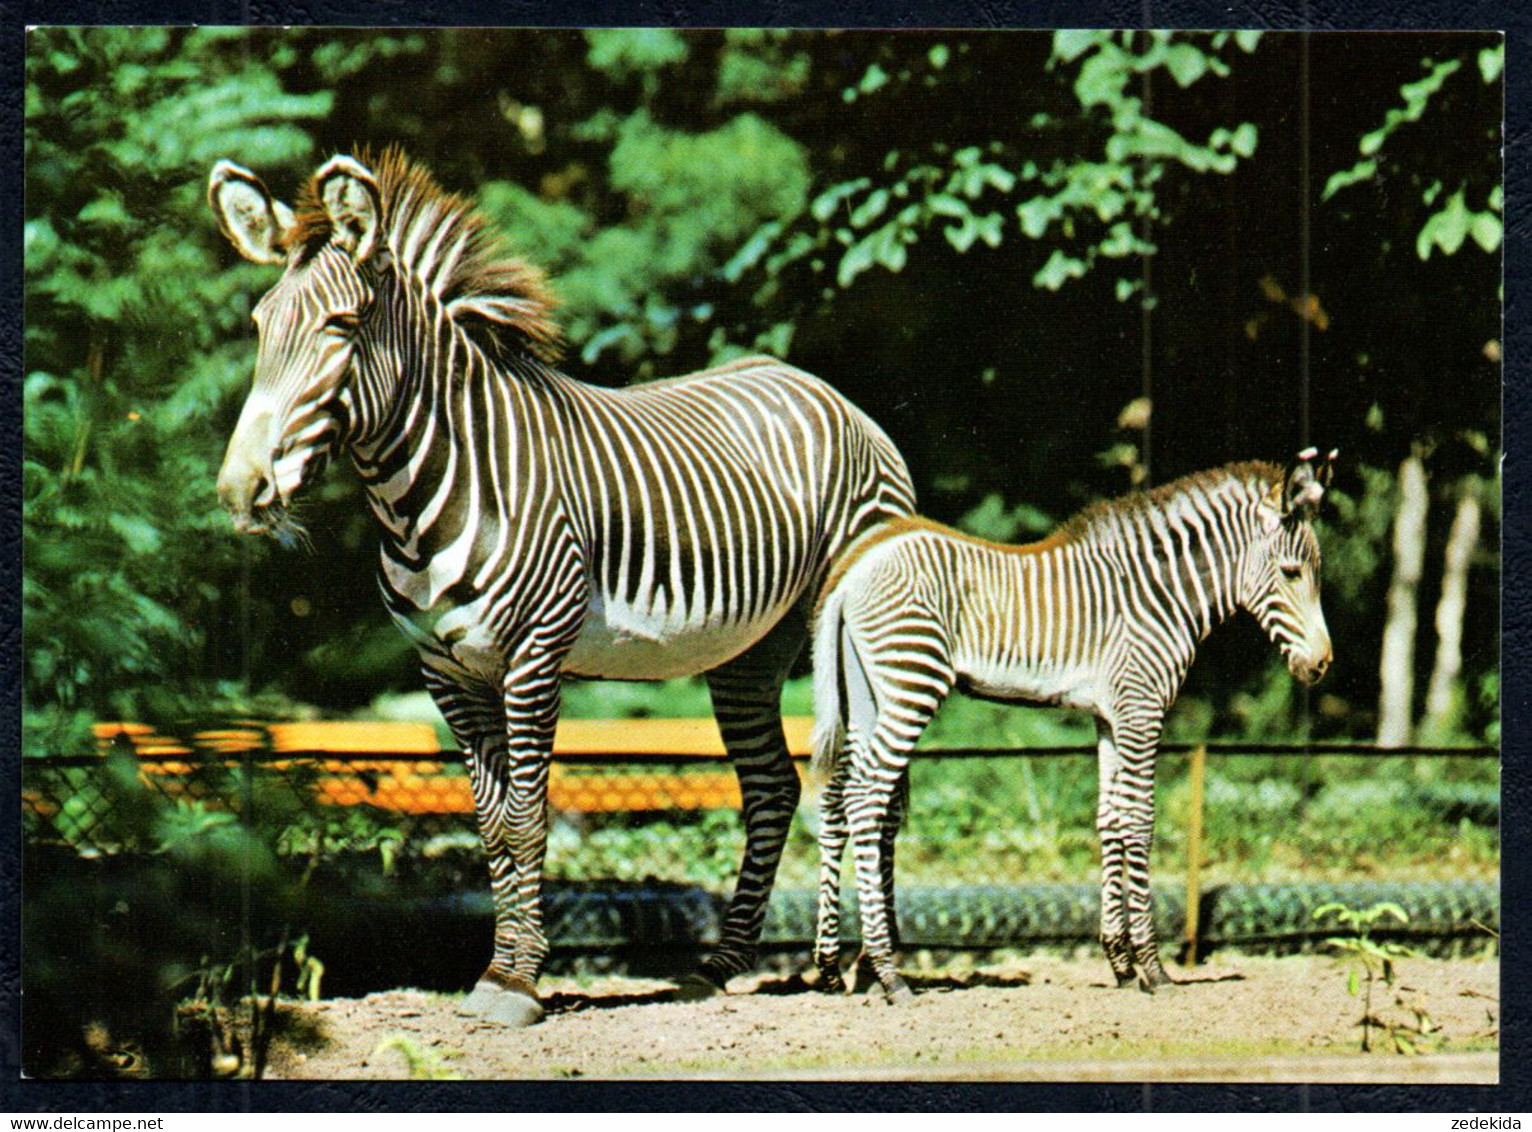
(1240, 1018)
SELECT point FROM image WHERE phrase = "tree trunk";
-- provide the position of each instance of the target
(1397, 669)
(1441, 697)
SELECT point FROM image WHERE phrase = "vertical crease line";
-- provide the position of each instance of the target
(1305, 289)
(1146, 357)
(246, 804)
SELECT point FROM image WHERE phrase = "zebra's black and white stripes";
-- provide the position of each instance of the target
(533, 526)
(1103, 616)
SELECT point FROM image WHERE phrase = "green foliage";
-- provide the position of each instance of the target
(1097, 207)
(690, 198)
(422, 1064)
(702, 848)
(125, 364)
(694, 195)
(992, 519)
(760, 65)
(1354, 532)
(1455, 222)
(634, 51)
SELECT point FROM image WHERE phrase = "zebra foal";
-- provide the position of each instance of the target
(533, 527)
(1102, 616)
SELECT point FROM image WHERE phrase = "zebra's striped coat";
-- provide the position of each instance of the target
(1103, 616)
(533, 526)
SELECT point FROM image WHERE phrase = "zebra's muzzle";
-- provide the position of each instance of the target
(248, 493)
(1309, 670)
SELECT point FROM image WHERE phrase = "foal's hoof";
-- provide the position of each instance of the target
(830, 981)
(696, 988)
(1155, 984)
(899, 994)
(497, 1004)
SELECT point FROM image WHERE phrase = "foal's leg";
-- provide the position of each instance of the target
(832, 847)
(1137, 786)
(1125, 817)
(873, 783)
(1114, 925)
(898, 806)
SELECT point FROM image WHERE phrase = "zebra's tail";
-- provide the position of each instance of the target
(829, 713)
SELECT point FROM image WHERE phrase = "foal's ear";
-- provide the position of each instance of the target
(349, 193)
(247, 214)
(1327, 469)
(1304, 488)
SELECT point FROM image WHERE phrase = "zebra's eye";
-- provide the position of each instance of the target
(1291, 571)
(342, 323)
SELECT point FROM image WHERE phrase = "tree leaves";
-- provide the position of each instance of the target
(1417, 96)
(1361, 171)
(1453, 224)
(135, 336)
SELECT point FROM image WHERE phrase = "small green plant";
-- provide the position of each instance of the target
(423, 1064)
(237, 1027)
(1372, 961)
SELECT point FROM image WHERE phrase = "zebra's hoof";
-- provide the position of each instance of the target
(899, 994)
(830, 982)
(696, 988)
(1155, 985)
(497, 1004)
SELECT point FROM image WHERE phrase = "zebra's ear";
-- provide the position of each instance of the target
(247, 214)
(1304, 490)
(349, 193)
(1327, 469)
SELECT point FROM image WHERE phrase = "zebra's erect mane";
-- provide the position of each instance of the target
(442, 241)
(1102, 514)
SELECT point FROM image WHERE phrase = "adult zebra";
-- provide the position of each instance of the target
(533, 526)
(1103, 616)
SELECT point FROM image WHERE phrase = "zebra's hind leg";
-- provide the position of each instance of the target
(747, 699)
(865, 975)
(868, 798)
(898, 806)
(832, 847)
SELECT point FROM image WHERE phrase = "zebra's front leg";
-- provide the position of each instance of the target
(511, 798)
(747, 696)
(832, 848)
(1114, 923)
(1137, 846)
(1125, 817)
(476, 715)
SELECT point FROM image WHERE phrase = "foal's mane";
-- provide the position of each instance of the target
(1257, 474)
(1100, 517)
(441, 240)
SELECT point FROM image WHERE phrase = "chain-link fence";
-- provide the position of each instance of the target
(644, 822)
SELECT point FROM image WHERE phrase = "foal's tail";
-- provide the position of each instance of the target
(829, 711)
